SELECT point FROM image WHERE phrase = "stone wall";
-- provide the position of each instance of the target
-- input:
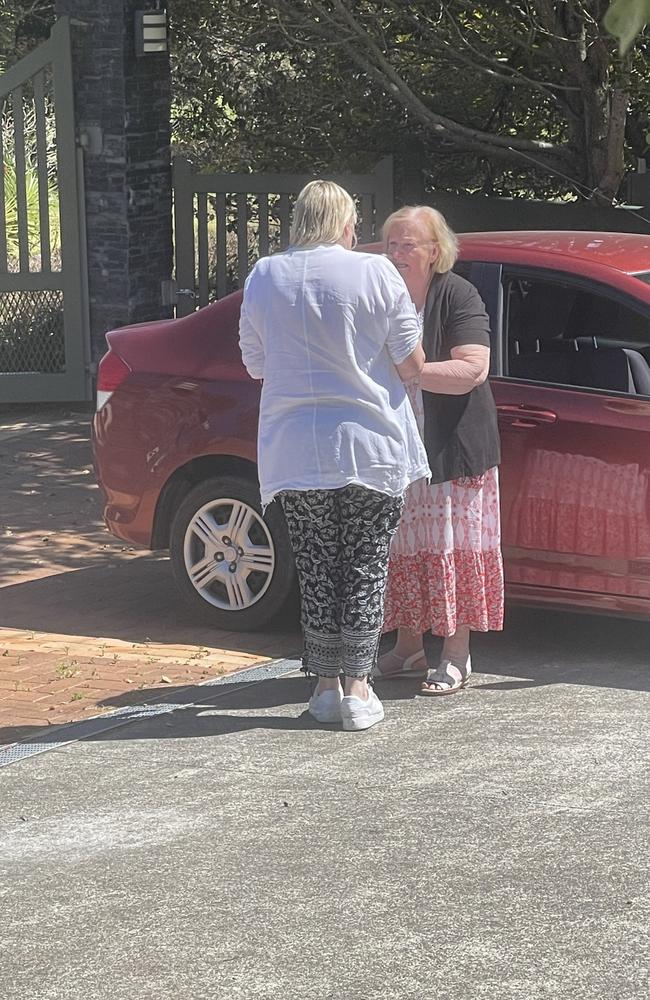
(122, 105)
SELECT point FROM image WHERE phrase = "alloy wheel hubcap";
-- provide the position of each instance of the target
(229, 554)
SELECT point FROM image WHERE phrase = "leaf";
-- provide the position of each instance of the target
(625, 19)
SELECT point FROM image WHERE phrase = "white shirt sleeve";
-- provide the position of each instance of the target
(250, 338)
(403, 326)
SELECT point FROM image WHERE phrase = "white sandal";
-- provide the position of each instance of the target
(407, 667)
(447, 678)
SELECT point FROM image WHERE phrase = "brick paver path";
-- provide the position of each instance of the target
(86, 622)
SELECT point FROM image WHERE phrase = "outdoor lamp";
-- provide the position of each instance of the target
(150, 32)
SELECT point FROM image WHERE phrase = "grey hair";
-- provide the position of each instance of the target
(439, 232)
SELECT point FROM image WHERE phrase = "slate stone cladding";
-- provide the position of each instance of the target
(128, 180)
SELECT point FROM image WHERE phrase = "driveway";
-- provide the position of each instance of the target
(489, 845)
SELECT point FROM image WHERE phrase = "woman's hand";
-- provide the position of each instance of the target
(467, 369)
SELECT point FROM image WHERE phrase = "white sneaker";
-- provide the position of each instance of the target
(326, 705)
(359, 714)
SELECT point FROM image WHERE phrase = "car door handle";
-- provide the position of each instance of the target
(524, 416)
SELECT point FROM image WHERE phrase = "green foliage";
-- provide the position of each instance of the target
(23, 24)
(33, 212)
(31, 185)
(244, 100)
(511, 98)
(22, 27)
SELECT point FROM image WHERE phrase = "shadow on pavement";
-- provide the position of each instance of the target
(221, 710)
(51, 503)
(538, 649)
(550, 647)
(133, 600)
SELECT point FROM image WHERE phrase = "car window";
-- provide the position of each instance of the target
(562, 334)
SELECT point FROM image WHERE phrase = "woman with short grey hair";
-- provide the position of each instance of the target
(445, 570)
(333, 334)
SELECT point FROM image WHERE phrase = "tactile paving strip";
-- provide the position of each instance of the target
(46, 739)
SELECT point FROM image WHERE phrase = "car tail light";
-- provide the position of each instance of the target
(111, 373)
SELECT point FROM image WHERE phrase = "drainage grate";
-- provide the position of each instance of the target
(252, 674)
(73, 732)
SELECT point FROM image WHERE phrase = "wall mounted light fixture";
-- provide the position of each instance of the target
(150, 32)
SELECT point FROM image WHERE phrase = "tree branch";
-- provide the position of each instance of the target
(502, 70)
(375, 64)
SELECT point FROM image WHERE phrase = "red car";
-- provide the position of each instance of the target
(175, 429)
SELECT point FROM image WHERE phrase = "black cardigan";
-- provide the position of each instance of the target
(461, 435)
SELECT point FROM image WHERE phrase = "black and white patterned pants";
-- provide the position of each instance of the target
(340, 540)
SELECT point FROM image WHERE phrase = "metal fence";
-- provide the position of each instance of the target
(225, 222)
(43, 301)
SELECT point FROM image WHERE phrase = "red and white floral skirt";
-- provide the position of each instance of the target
(445, 566)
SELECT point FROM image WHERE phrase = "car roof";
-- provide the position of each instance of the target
(627, 252)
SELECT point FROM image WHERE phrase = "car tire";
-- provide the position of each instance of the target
(230, 562)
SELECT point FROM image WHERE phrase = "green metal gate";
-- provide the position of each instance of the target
(44, 339)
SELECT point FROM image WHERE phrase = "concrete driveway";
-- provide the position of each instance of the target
(489, 845)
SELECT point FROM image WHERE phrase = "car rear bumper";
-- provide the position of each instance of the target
(128, 508)
(129, 517)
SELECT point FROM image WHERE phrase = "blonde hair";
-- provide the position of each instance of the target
(321, 213)
(437, 228)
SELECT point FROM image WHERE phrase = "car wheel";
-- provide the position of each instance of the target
(229, 561)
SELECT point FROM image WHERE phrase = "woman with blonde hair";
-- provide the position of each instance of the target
(333, 334)
(445, 570)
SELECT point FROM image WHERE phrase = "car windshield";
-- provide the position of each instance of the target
(643, 276)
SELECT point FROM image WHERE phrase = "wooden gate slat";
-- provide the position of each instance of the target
(263, 224)
(43, 180)
(242, 237)
(222, 273)
(3, 222)
(283, 215)
(366, 219)
(21, 183)
(203, 262)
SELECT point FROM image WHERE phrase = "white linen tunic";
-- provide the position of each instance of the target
(324, 328)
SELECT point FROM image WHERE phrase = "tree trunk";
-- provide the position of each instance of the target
(607, 156)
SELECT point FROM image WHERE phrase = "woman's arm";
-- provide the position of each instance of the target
(412, 366)
(467, 369)
(404, 337)
(250, 341)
